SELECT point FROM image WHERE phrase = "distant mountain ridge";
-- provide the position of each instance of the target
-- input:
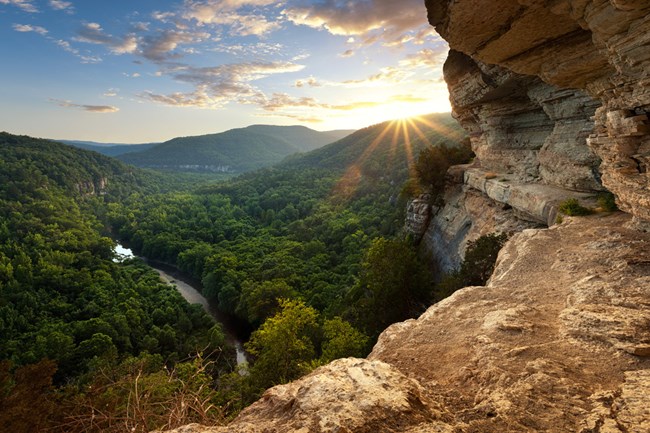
(108, 149)
(234, 151)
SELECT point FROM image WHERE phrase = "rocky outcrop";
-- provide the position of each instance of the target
(467, 215)
(522, 127)
(95, 186)
(599, 47)
(418, 214)
(552, 344)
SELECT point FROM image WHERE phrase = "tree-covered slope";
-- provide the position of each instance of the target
(67, 308)
(233, 151)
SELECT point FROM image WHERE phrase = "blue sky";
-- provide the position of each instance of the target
(150, 70)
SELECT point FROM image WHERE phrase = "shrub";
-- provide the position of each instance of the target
(572, 207)
(433, 163)
(607, 202)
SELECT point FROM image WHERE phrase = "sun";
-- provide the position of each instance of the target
(399, 110)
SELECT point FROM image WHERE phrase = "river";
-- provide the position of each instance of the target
(188, 290)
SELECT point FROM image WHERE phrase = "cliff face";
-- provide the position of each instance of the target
(599, 47)
(555, 96)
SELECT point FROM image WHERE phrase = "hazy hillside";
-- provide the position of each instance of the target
(388, 143)
(109, 149)
(233, 151)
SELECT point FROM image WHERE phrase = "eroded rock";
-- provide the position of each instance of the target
(563, 319)
(599, 48)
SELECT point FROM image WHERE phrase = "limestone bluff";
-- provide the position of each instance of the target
(555, 95)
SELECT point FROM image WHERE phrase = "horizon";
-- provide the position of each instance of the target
(117, 74)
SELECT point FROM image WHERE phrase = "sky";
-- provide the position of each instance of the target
(136, 71)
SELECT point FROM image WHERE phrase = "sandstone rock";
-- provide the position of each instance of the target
(552, 331)
(418, 214)
(348, 395)
(601, 47)
(523, 127)
(467, 215)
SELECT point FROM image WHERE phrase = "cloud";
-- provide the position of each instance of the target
(140, 26)
(90, 108)
(428, 57)
(257, 50)
(157, 48)
(25, 5)
(311, 82)
(284, 101)
(373, 19)
(65, 45)
(111, 93)
(60, 5)
(93, 33)
(347, 53)
(29, 28)
(229, 13)
(214, 87)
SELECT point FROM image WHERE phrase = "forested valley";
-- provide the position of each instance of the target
(308, 254)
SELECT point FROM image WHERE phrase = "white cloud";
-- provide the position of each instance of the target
(311, 82)
(389, 20)
(90, 108)
(93, 33)
(157, 48)
(228, 13)
(214, 87)
(25, 5)
(60, 5)
(29, 28)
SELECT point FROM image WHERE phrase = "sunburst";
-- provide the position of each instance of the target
(402, 131)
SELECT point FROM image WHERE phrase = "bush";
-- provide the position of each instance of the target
(607, 202)
(572, 207)
(433, 163)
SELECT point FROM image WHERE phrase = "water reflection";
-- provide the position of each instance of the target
(122, 253)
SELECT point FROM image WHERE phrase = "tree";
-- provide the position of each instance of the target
(394, 283)
(341, 340)
(283, 345)
(477, 267)
(480, 258)
(433, 163)
(260, 301)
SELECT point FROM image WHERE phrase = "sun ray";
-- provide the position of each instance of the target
(419, 132)
(409, 149)
(352, 176)
(443, 130)
(393, 144)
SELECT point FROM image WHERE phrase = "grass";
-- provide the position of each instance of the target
(572, 207)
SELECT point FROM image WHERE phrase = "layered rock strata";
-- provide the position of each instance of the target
(599, 47)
